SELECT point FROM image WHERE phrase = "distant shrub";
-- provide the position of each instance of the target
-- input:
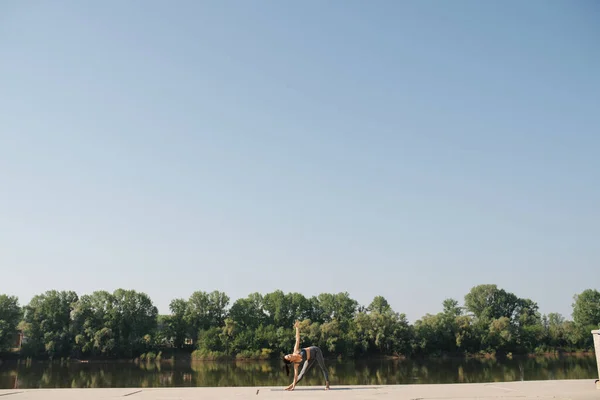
(208, 355)
(262, 354)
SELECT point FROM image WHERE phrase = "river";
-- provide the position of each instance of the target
(22, 375)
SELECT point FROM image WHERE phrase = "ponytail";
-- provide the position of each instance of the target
(287, 366)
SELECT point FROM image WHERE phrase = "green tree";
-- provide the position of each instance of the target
(339, 307)
(301, 307)
(93, 325)
(330, 337)
(47, 324)
(428, 340)
(468, 339)
(503, 321)
(209, 340)
(205, 310)
(529, 329)
(177, 323)
(248, 312)
(448, 325)
(164, 336)
(316, 313)
(125, 324)
(501, 335)
(228, 333)
(10, 315)
(586, 308)
(586, 315)
(197, 312)
(379, 305)
(361, 335)
(283, 309)
(451, 308)
(278, 308)
(133, 321)
(380, 330)
(488, 302)
(218, 303)
(437, 334)
(556, 332)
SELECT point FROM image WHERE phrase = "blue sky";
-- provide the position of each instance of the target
(410, 149)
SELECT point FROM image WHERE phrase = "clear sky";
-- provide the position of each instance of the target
(410, 149)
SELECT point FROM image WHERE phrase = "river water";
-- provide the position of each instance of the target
(22, 375)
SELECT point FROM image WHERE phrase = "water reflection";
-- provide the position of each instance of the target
(369, 372)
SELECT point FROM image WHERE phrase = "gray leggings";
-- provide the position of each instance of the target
(315, 355)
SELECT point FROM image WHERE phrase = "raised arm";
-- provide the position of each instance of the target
(297, 345)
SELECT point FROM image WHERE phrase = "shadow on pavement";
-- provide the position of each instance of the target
(305, 389)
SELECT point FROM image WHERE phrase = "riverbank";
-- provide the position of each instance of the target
(565, 389)
(183, 356)
(35, 375)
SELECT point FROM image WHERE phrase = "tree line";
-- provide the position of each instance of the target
(126, 324)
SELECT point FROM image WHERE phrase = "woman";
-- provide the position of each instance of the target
(308, 355)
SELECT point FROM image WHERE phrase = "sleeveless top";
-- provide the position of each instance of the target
(311, 352)
(303, 354)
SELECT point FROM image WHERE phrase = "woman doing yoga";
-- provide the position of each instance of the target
(307, 354)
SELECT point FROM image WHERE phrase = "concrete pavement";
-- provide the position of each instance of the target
(564, 389)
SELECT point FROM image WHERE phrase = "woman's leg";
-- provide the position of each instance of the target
(307, 365)
(321, 361)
